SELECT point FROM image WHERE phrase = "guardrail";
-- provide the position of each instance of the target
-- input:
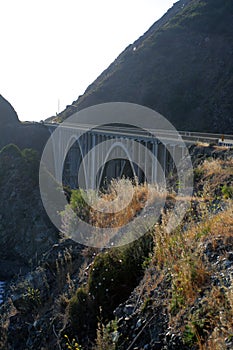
(189, 136)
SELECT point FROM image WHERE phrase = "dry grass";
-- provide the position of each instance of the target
(180, 254)
(203, 144)
(112, 210)
(217, 167)
(212, 324)
(122, 203)
(220, 225)
(179, 261)
(176, 253)
(212, 167)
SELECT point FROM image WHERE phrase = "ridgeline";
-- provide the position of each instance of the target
(182, 67)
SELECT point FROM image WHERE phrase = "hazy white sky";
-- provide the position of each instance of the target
(53, 49)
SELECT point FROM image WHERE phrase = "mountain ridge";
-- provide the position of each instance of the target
(181, 67)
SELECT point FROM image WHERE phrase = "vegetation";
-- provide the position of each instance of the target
(227, 191)
(72, 344)
(180, 280)
(11, 155)
(32, 298)
(179, 263)
(196, 305)
(10, 150)
(126, 200)
(112, 277)
(121, 298)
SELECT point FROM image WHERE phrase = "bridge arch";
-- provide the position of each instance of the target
(74, 158)
(108, 158)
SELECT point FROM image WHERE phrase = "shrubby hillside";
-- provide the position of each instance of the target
(164, 291)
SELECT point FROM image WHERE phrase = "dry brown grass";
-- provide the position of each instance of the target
(176, 252)
(180, 254)
(179, 261)
(122, 203)
(212, 167)
(213, 324)
(217, 167)
(220, 225)
(112, 210)
(203, 144)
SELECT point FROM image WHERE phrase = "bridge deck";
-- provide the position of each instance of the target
(189, 137)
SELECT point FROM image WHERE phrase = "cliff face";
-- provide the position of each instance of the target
(23, 135)
(25, 231)
(182, 67)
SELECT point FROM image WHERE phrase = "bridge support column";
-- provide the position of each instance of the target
(154, 175)
(93, 162)
(165, 159)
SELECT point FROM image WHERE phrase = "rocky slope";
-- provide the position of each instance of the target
(183, 299)
(25, 230)
(182, 67)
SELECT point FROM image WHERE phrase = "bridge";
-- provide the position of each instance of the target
(101, 153)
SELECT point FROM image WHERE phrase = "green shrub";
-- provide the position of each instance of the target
(79, 205)
(116, 272)
(32, 161)
(189, 336)
(82, 313)
(32, 298)
(106, 336)
(227, 191)
(11, 150)
(113, 276)
(198, 173)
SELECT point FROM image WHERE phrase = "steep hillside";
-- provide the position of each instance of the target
(25, 230)
(24, 135)
(165, 291)
(182, 67)
(7, 113)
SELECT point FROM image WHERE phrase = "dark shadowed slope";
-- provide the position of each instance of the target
(7, 113)
(182, 67)
(23, 135)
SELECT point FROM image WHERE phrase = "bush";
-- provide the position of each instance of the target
(113, 276)
(32, 160)
(83, 313)
(11, 150)
(79, 205)
(116, 272)
(227, 191)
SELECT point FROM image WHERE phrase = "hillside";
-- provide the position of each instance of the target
(25, 230)
(182, 67)
(24, 135)
(7, 112)
(165, 291)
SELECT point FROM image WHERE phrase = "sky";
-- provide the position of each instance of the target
(51, 50)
